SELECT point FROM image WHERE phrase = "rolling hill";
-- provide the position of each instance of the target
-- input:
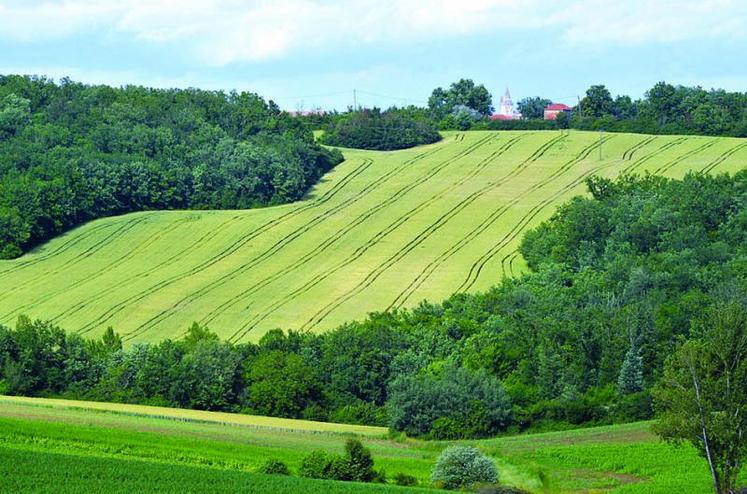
(382, 230)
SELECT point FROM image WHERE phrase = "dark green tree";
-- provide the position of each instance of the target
(533, 107)
(597, 102)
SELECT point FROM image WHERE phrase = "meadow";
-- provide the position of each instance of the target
(383, 230)
(45, 445)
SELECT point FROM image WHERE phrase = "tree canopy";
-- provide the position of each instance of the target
(70, 153)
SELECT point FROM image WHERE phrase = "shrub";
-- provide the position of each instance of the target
(463, 466)
(405, 480)
(317, 465)
(274, 467)
(356, 464)
(360, 462)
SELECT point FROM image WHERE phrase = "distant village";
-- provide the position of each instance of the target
(507, 111)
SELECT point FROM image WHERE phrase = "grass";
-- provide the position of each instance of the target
(63, 446)
(384, 229)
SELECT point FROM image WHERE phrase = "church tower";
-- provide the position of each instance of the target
(507, 106)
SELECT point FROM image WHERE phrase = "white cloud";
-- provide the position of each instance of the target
(221, 32)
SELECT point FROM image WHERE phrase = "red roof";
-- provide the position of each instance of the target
(558, 106)
(498, 116)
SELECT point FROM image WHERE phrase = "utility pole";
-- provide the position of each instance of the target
(355, 101)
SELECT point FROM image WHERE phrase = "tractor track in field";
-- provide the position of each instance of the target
(668, 165)
(199, 241)
(628, 154)
(477, 266)
(234, 246)
(664, 147)
(720, 159)
(129, 255)
(507, 263)
(300, 231)
(321, 314)
(426, 273)
(71, 242)
(288, 297)
(405, 294)
(166, 262)
(357, 221)
(123, 228)
(723, 157)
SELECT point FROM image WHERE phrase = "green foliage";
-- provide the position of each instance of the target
(597, 102)
(405, 480)
(71, 153)
(703, 394)
(456, 403)
(463, 466)
(374, 129)
(317, 465)
(274, 466)
(355, 465)
(630, 379)
(280, 384)
(533, 107)
(463, 93)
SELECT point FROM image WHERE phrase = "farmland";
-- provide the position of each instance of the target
(119, 449)
(382, 230)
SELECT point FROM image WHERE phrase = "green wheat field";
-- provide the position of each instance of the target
(382, 230)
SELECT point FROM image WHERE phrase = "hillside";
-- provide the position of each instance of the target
(120, 448)
(383, 230)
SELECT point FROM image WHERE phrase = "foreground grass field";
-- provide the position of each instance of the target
(61, 446)
(383, 230)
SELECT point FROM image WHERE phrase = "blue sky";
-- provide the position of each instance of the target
(313, 53)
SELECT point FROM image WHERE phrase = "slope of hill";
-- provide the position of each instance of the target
(383, 230)
(47, 443)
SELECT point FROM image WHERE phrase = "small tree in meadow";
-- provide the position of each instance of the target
(463, 466)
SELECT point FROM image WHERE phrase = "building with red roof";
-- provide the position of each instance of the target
(552, 110)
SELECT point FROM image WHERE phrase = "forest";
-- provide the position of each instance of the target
(617, 282)
(70, 153)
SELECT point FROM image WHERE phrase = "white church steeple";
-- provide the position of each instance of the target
(507, 105)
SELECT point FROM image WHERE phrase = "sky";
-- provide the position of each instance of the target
(305, 54)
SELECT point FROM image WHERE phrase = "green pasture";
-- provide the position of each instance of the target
(382, 230)
(58, 446)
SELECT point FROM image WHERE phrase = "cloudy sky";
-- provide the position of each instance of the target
(309, 53)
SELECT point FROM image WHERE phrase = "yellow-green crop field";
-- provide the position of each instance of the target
(60, 446)
(382, 230)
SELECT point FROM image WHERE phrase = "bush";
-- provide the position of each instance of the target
(317, 465)
(274, 467)
(405, 480)
(463, 466)
(359, 461)
(356, 464)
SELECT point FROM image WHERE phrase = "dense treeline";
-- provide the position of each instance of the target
(664, 109)
(374, 129)
(71, 153)
(615, 281)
